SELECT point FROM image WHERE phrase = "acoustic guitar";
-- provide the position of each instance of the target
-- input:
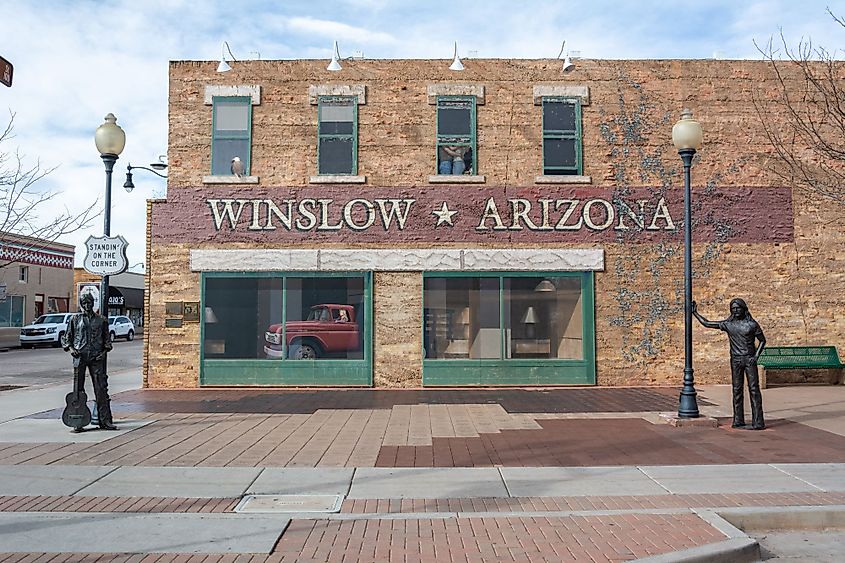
(76, 415)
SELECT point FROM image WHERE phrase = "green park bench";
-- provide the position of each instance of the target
(799, 357)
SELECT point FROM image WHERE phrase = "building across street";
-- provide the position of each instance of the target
(35, 279)
(126, 293)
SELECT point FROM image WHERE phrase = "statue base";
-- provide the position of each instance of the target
(672, 419)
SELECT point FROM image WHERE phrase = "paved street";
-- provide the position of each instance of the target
(45, 365)
(580, 474)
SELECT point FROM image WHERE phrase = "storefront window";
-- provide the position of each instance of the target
(279, 318)
(238, 312)
(57, 304)
(325, 318)
(527, 317)
(462, 318)
(543, 318)
(11, 311)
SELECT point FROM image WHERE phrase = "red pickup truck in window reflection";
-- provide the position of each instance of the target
(328, 329)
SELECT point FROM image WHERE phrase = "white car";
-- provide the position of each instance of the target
(121, 327)
(47, 329)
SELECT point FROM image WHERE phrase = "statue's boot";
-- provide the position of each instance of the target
(105, 421)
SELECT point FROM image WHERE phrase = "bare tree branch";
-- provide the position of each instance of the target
(809, 138)
(22, 203)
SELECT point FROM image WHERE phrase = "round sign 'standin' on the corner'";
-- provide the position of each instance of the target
(106, 256)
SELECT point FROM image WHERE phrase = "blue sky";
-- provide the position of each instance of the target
(75, 61)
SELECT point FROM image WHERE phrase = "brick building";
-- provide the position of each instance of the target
(398, 224)
(35, 279)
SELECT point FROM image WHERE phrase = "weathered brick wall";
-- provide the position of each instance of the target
(172, 353)
(795, 289)
(397, 347)
(632, 104)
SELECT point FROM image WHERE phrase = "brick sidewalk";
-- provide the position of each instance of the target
(429, 436)
(383, 507)
(619, 537)
(424, 428)
(379, 533)
(572, 538)
(298, 401)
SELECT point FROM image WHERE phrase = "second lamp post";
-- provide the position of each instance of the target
(687, 137)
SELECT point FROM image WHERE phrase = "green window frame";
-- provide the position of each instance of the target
(506, 370)
(556, 135)
(227, 141)
(286, 371)
(329, 132)
(448, 137)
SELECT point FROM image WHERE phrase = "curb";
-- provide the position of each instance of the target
(733, 550)
(733, 522)
(737, 548)
(785, 518)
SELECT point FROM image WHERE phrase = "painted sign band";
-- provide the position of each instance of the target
(471, 213)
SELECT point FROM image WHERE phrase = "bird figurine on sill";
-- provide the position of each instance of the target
(238, 167)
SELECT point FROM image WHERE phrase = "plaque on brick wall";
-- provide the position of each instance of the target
(172, 323)
(173, 308)
(191, 311)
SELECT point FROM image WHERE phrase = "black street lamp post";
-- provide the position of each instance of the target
(155, 168)
(110, 140)
(687, 137)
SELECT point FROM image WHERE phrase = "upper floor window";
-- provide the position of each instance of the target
(23, 275)
(337, 135)
(562, 154)
(456, 139)
(231, 138)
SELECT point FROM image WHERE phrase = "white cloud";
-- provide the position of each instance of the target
(336, 30)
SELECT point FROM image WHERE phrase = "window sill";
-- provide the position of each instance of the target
(338, 179)
(563, 180)
(456, 179)
(230, 179)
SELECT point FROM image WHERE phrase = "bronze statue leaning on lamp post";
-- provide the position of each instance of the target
(87, 340)
(742, 331)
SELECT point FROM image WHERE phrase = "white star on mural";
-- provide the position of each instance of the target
(444, 215)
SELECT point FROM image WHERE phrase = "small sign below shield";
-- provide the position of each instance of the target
(106, 256)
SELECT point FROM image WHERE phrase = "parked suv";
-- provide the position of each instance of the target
(328, 329)
(47, 329)
(121, 327)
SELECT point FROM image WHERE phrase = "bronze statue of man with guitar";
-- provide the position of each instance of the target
(87, 340)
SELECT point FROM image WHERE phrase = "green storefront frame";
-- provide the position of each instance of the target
(491, 372)
(290, 372)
